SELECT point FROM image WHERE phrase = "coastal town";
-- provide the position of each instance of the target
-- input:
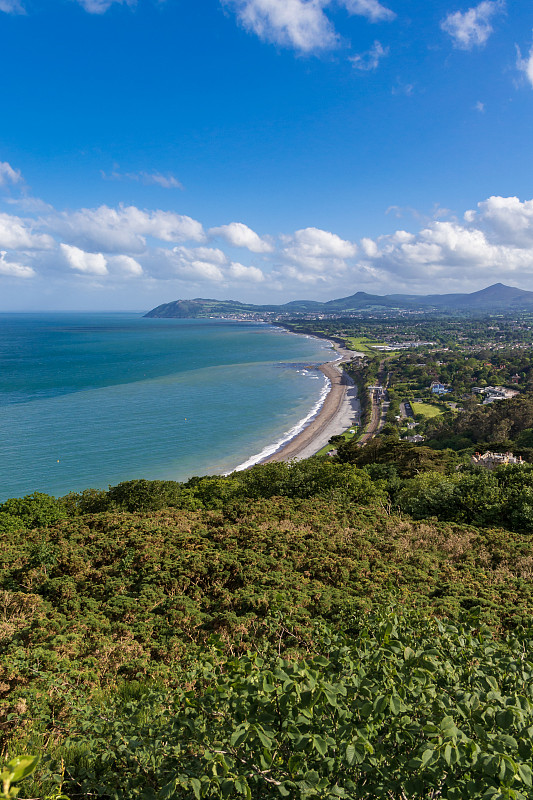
(414, 380)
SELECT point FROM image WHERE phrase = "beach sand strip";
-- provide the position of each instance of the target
(339, 411)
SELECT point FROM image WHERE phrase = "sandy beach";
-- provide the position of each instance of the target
(340, 410)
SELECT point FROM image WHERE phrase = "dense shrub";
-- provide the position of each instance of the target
(396, 707)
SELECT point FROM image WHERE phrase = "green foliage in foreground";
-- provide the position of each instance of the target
(394, 707)
(14, 771)
(22, 767)
(125, 595)
(214, 639)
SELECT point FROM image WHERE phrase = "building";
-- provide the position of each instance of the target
(490, 460)
(438, 388)
(493, 393)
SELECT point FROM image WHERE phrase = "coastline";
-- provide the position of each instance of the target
(339, 410)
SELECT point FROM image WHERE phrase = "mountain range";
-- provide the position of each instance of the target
(496, 298)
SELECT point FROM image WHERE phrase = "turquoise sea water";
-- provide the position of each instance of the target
(89, 400)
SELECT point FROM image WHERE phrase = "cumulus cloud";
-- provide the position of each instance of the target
(125, 265)
(370, 59)
(242, 273)
(505, 219)
(301, 24)
(240, 235)
(525, 65)
(211, 254)
(8, 174)
(472, 28)
(79, 260)
(123, 229)
(315, 249)
(202, 264)
(188, 263)
(494, 242)
(12, 269)
(17, 234)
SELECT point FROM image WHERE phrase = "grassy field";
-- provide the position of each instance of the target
(362, 344)
(426, 409)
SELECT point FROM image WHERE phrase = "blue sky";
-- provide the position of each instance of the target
(262, 150)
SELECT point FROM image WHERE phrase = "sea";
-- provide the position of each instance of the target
(88, 400)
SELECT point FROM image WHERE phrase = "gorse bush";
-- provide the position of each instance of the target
(223, 638)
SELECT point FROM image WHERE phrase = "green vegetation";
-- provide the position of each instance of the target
(426, 409)
(362, 344)
(279, 632)
(398, 706)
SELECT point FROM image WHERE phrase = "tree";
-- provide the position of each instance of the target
(35, 510)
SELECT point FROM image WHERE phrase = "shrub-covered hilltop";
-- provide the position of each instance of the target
(289, 631)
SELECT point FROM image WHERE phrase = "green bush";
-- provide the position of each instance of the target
(395, 707)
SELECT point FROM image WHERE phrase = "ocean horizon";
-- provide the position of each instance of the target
(88, 400)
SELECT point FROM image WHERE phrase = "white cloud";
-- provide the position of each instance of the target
(202, 270)
(369, 247)
(472, 28)
(12, 269)
(188, 263)
(301, 24)
(370, 9)
(506, 220)
(201, 264)
(300, 276)
(166, 181)
(17, 234)
(370, 59)
(315, 250)
(79, 260)
(525, 65)
(211, 254)
(495, 243)
(125, 265)
(123, 229)
(8, 174)
(241, 273)
(240, 235)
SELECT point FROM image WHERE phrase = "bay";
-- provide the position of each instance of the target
(89, 400)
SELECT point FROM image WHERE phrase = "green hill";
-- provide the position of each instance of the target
(494, 298)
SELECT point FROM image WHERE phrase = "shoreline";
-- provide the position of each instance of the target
(339, 410)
